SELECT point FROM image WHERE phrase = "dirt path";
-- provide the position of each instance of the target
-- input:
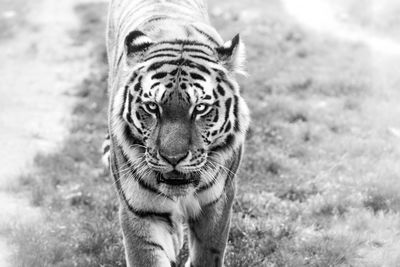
(39, 65)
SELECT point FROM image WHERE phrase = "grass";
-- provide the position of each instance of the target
(319, 181)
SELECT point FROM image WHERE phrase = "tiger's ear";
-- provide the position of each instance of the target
(136, 43)
(232, 55)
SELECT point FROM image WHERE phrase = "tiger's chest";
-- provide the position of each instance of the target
(188, 206)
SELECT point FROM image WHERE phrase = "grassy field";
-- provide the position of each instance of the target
(319, 181)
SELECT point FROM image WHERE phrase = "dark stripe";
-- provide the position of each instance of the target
(233, 169)
(152, 244)
(138, 48)
(215, 201)
(174, 72)
(221, 90)
(215, 94)
(159, 75)
(198, 86)
(132, 79)
(216, 117)
(157, 18)
(143, 184)
(120, 59)
(203, 58)
(209, 185)
(128, 114)
(230, 85)
(194, 50)
(138, 85)
(129, 137)
(236, 158)
(179, 62)
(200, 67)
(154, 85)
(235, 112)
(222, 78)
(228, 143)
(165, 216)
(163, 95)
(193, 230)
(138, 130)
(156, 65)
(186, 43)
(228, 127)
(209, 37)
(133, 35)
(138, 117)
(228, 104)
(165, 50)
(235, 165)
(160, 55)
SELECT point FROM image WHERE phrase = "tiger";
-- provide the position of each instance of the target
(177, 126)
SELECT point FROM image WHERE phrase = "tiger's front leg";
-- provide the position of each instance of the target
(148, 241)
(209, 232)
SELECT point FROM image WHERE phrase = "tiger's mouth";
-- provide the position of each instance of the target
(176, 178)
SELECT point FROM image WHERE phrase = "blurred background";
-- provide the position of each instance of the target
(319, 181)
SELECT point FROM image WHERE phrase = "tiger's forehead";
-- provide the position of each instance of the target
(178, 47)
(183, 83)
(186, 70)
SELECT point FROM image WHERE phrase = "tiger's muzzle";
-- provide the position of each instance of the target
(176, 153)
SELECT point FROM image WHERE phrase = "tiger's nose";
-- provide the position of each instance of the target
(174, 159)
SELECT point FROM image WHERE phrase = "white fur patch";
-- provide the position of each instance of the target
(212, 193)
(239, 59)
(160, 234)
(141, 40)
(189, 206)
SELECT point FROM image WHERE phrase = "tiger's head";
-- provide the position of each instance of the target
(178, 115)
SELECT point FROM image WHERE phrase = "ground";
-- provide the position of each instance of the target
(318, 184)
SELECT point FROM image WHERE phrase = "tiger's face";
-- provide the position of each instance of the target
(182, 116)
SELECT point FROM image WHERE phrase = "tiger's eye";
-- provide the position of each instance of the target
(151, 106)
(200, 108)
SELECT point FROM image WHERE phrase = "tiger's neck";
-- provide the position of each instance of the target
(169, 29)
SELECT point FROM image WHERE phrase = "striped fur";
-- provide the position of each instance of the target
(177, 125)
